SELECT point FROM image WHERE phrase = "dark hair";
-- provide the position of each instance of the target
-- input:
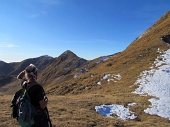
(31, 69)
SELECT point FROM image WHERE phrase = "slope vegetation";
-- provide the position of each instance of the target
(138, 57)
(123, 69)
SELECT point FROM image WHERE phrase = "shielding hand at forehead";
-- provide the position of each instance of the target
(31, 68)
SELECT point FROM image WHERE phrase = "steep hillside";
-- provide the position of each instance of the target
(62, 65)
(9, 71)
(61, 82)
(15, 67)
(112, 82)
(2, 63)
(40, 62)
(139, 56)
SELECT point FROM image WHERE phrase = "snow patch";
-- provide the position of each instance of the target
(104, 58)
(76, 75)
(115, 111)
(111, 77)
(156, 82)
(99, 83)
(132, 104)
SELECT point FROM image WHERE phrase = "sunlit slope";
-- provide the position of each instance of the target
(137, 57)
(112, 82)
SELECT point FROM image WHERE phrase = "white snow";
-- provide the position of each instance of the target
(99, 83)
(115, 110)
(104, 58)
(76, 75)
(106, 76)
(110, 77)
(132, 104)
(154, 82)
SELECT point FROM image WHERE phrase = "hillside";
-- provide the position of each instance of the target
(138, 56)
(125, 67)
(74, 96)
(9, 71)
(62, 65)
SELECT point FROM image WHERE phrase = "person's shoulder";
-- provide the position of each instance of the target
(36, 86)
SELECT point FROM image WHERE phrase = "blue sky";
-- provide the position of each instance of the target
(89, 28)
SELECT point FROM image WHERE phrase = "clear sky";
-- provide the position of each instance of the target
(89, 28)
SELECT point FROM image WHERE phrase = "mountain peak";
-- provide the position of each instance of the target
(68, 53)
(47, 56)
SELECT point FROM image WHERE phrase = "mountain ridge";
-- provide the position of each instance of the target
(49, 68)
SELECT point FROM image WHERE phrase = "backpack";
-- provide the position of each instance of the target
(22, 109)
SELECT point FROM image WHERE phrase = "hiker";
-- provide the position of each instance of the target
(28, 80)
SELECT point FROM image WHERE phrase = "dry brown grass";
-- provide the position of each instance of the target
(5, 112)
(79, 111)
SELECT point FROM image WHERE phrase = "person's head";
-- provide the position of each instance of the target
(31, 72)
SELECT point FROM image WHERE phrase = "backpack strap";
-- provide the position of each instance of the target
(27, 87)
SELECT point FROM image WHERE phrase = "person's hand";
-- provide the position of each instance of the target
(21, 75)
(43, 102)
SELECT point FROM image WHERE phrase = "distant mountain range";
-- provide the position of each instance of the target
(49, 68)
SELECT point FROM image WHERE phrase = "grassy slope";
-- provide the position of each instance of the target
(76, 107)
